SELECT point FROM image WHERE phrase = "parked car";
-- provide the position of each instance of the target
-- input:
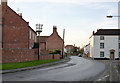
(79, 55)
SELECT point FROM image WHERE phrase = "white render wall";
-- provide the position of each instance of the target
(92, 46)
(110, 42)
(87, 49)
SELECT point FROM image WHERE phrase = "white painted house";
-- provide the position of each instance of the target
(87, 50)
(105, 43)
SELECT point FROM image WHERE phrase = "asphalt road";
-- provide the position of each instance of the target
(77, 69)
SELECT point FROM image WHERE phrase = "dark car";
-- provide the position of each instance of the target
(79, 55)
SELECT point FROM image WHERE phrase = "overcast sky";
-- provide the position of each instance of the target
(78, 17)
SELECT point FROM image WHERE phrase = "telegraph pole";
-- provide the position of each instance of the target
(63, 43)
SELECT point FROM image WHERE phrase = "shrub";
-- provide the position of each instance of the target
(56, 51)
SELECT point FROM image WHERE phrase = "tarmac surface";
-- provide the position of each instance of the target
(77, 69)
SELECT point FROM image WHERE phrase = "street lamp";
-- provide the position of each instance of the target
(112, 16)
(118, 48)
(39, 30)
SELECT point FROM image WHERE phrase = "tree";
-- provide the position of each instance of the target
(73, 50)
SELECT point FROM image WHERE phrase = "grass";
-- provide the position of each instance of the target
(7, 66)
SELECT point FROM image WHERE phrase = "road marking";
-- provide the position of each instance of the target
(103, 78)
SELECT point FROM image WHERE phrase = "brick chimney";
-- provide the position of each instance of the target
(54, 29)
(3, 2)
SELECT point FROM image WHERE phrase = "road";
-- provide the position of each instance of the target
(77, 69)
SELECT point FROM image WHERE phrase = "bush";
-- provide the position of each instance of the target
(56, 51)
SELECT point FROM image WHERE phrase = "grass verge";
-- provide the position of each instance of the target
(7, 66)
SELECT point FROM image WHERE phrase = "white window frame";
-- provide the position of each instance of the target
(102, 54)
(33, 36)
(101, 45)
(119, 45)
(30, 34)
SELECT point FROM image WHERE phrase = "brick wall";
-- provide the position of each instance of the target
(15, 29)
(42, 45)
(17, 55)
(0, 27)
(22, 55)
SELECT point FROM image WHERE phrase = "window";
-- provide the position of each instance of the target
(101, 45)
(119, 45)
(119, 54)
(101, 54)
(101, 37)
(33, 36)
(30, 34)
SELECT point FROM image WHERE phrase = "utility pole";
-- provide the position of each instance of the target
(63, 43)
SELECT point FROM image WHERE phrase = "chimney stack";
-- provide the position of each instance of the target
(54, 29)
(3, 2)
(93, 32)
(20, 14)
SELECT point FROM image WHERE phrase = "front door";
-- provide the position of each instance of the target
(112, 55)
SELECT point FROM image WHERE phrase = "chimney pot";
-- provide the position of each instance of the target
(54, 29)
(3, 2)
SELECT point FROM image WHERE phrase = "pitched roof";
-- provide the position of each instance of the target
(43, 38)
(107, 32)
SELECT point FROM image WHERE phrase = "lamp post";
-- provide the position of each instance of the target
(112, 16)
(118, 49)
(39, 30)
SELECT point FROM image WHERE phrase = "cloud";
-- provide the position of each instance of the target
(107, 24)
(65, 1)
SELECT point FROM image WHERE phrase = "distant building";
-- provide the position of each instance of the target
(70, 48)
(52, 42)
(105, 44)
(87, 50)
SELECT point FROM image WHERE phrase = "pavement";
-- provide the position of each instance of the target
(35, 67)
(112, 73)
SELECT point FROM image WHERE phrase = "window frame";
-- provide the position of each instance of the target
(102, 38)
(33, 36)
(119, 45)
(30, 34)
(102, 54)
(101, 45)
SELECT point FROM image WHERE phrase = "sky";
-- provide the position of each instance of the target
(78, 17)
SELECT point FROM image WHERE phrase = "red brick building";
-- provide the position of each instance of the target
(52, 42)
(16, 36)
(69, 48)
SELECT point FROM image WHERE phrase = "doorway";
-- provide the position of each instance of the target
(112, 56)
